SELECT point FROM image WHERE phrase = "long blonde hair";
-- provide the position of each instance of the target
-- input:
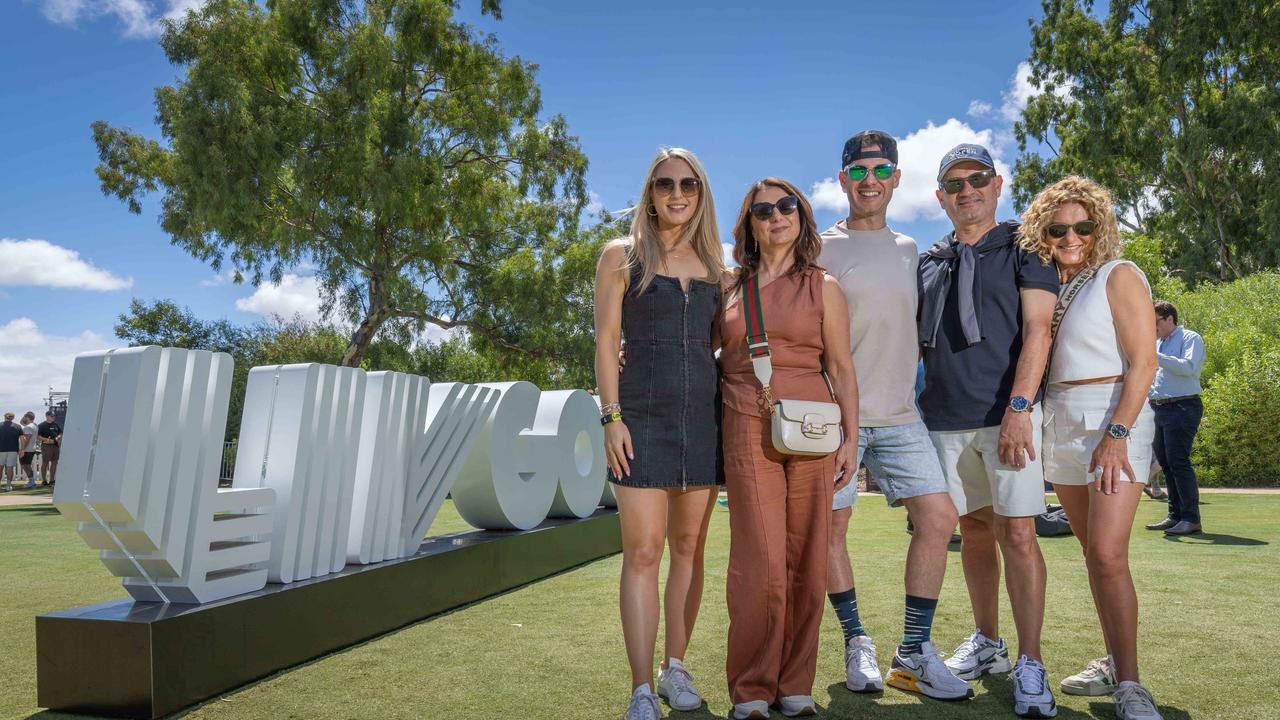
(1096, 201)
(645, 248)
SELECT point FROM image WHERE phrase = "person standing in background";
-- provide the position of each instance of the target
(50, 434)
(1175, 396)
(10, 446)
(30, 443)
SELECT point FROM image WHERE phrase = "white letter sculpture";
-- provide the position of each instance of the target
(539, 453)
(295, 438)
(143, 441)
(334, 465)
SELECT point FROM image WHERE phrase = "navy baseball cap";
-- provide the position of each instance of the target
(853, 147)
(965, 152)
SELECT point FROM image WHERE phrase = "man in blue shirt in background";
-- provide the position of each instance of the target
(1175, 396)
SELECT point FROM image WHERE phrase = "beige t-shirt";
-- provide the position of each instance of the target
(877, 270)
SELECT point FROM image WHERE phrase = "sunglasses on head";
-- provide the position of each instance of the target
(859, 172)
(1084, 228)
(764, 210)
(688, 186)
(976, 180)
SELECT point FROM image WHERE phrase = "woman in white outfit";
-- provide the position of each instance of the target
(1098, 428)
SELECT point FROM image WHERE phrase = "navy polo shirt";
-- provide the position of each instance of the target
(967, 388)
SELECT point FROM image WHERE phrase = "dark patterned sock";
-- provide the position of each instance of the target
(917, 624)
(846, 607)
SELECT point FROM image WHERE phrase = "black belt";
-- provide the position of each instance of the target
(1166, 401)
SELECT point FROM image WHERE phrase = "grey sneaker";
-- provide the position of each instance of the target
(978, 655)
(925, 673)
(751, 710)
(797, 705)
(1134, 702)
(1031, 695)
(1098, 678)
(861, 668)
(675, 685)
(644, 705)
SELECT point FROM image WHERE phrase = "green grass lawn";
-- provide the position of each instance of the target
(1210, 637)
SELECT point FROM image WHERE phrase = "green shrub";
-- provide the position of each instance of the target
(1235, 318)
(1239, 440)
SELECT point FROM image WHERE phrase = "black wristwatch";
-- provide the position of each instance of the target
(1117, 431)
(1019, 404)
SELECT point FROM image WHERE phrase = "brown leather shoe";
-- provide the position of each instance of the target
(1185, 527)
(1164, 524)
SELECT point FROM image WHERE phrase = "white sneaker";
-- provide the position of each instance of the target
(675, 685)
(862, 669)
(1134, 702)
(644, 705)
(751, 710)
(1031, 695)
(978, 655)
(797, 705)
(925, 673)
(1098, 678)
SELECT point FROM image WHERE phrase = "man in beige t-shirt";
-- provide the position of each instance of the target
(877, 269)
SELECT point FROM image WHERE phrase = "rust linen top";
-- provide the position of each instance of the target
(793, 311)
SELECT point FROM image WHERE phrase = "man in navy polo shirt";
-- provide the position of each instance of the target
(986, 308)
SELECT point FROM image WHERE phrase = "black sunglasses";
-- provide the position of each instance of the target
(1084, 228)
(688, 186)
(976, 180)
(764, 210)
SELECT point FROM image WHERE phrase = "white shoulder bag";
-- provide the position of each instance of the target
(800, 427)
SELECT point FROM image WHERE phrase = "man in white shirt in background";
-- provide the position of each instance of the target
(1175, 396)
(877, 268)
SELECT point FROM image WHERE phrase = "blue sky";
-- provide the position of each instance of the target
(753, 88)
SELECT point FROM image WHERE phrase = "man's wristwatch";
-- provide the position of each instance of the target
(1117, 431)
(1019, 404)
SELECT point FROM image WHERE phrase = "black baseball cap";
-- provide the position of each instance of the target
(853, 149)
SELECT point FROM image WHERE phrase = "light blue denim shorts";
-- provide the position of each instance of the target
(903, 461)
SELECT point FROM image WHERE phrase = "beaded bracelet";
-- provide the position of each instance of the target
(610, 408)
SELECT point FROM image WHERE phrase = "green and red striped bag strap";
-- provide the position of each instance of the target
(757, 339)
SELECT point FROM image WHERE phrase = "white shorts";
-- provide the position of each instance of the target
(1075, 417)
(976, 478)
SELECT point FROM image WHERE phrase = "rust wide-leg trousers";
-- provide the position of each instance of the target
(779, 516)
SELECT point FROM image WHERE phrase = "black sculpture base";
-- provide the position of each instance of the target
(145, 660)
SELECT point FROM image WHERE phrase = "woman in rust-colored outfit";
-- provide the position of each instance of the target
(780, 505)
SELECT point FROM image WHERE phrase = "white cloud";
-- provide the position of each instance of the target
(40, 263)
(1021, 90)
(292, 296)
(595, 205)
(979, 109)
(218, 280)
(826, 194)
(726, 250)
(137, 18)
(34, 362)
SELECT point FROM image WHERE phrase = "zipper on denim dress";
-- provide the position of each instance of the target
(684, 408)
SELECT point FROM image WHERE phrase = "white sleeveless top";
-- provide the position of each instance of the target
(1087, 345)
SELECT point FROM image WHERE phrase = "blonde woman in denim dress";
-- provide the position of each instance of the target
(659, 291)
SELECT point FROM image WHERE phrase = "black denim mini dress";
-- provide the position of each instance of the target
(670, 389)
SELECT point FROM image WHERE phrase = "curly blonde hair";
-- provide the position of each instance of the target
(1096, 201)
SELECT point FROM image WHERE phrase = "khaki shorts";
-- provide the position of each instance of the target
(1076, 416)
(976, 478)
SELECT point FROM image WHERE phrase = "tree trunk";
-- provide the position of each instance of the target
(363, 336)
(1224, 250)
